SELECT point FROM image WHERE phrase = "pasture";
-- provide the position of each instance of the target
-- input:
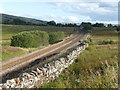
(100, 34)
(9, 30)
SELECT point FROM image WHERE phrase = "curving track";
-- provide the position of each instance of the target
(19, 62)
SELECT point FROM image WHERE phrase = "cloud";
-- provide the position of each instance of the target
(59, 0)
(82, 12)
(67, 19)
(106, 11)
(86, 8)
(73, 18)
(1, 10)
(106, 22)
(78, 10)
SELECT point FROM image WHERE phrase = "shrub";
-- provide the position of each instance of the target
(89, 48)
(89, 71)
(92, 43)
(76, 60)
(56, 36)
(30, 39)
(104, 42)
(43, 37)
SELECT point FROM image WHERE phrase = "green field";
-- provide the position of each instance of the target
(9, 52)
(9, 30)
(99, 34)
(96, 67)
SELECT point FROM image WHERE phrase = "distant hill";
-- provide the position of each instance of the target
(17, 20)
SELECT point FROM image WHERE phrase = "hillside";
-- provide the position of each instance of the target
(17, 20)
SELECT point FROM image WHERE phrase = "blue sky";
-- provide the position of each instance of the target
(72, 12)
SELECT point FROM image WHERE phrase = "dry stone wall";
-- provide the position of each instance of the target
(46, 73)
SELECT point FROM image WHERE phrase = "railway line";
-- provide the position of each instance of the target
(19, 62)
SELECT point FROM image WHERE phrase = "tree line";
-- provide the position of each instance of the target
(84, 25)
(53, 23)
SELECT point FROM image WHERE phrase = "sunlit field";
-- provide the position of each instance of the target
(9, 30)
(96, 67)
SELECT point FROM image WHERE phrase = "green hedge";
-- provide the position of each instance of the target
(56, 37)
(104, 42)
(30, 39)
(43, 37)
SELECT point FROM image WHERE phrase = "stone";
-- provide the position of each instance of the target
(47, 72)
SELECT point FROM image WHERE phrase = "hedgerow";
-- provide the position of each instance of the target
(104, 42)
(30, 39)
(55, 37)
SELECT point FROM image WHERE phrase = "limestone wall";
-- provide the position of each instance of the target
(45, 74)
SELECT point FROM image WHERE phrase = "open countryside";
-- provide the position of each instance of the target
(40, 53)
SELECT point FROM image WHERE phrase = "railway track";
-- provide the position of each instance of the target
(17, 63)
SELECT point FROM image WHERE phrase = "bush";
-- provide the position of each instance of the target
(92, 43)
(89, 48)
(76, 60)
(43, 37)
(30, 39)
(86, 25)
(56, 37)
(89, 71)
(104, 42)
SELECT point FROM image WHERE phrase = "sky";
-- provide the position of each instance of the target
(64, 11)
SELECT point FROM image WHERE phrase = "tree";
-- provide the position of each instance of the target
(59, 24)
(56, 37)
(18, 22)
(43, 37)
(30, 39)
(98, 25)
(25, 40)
(86, 26)
(51, 23)
(109, 25)
(118, 28)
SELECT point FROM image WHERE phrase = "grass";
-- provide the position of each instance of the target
(96, 67)
(90, 70)
(9, 30)
(9, 54)
(5, 42)
(104, 42)
(104, 34)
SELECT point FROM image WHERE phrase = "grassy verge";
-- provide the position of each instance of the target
(96, 67)
(9, 52)
(5, 42)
